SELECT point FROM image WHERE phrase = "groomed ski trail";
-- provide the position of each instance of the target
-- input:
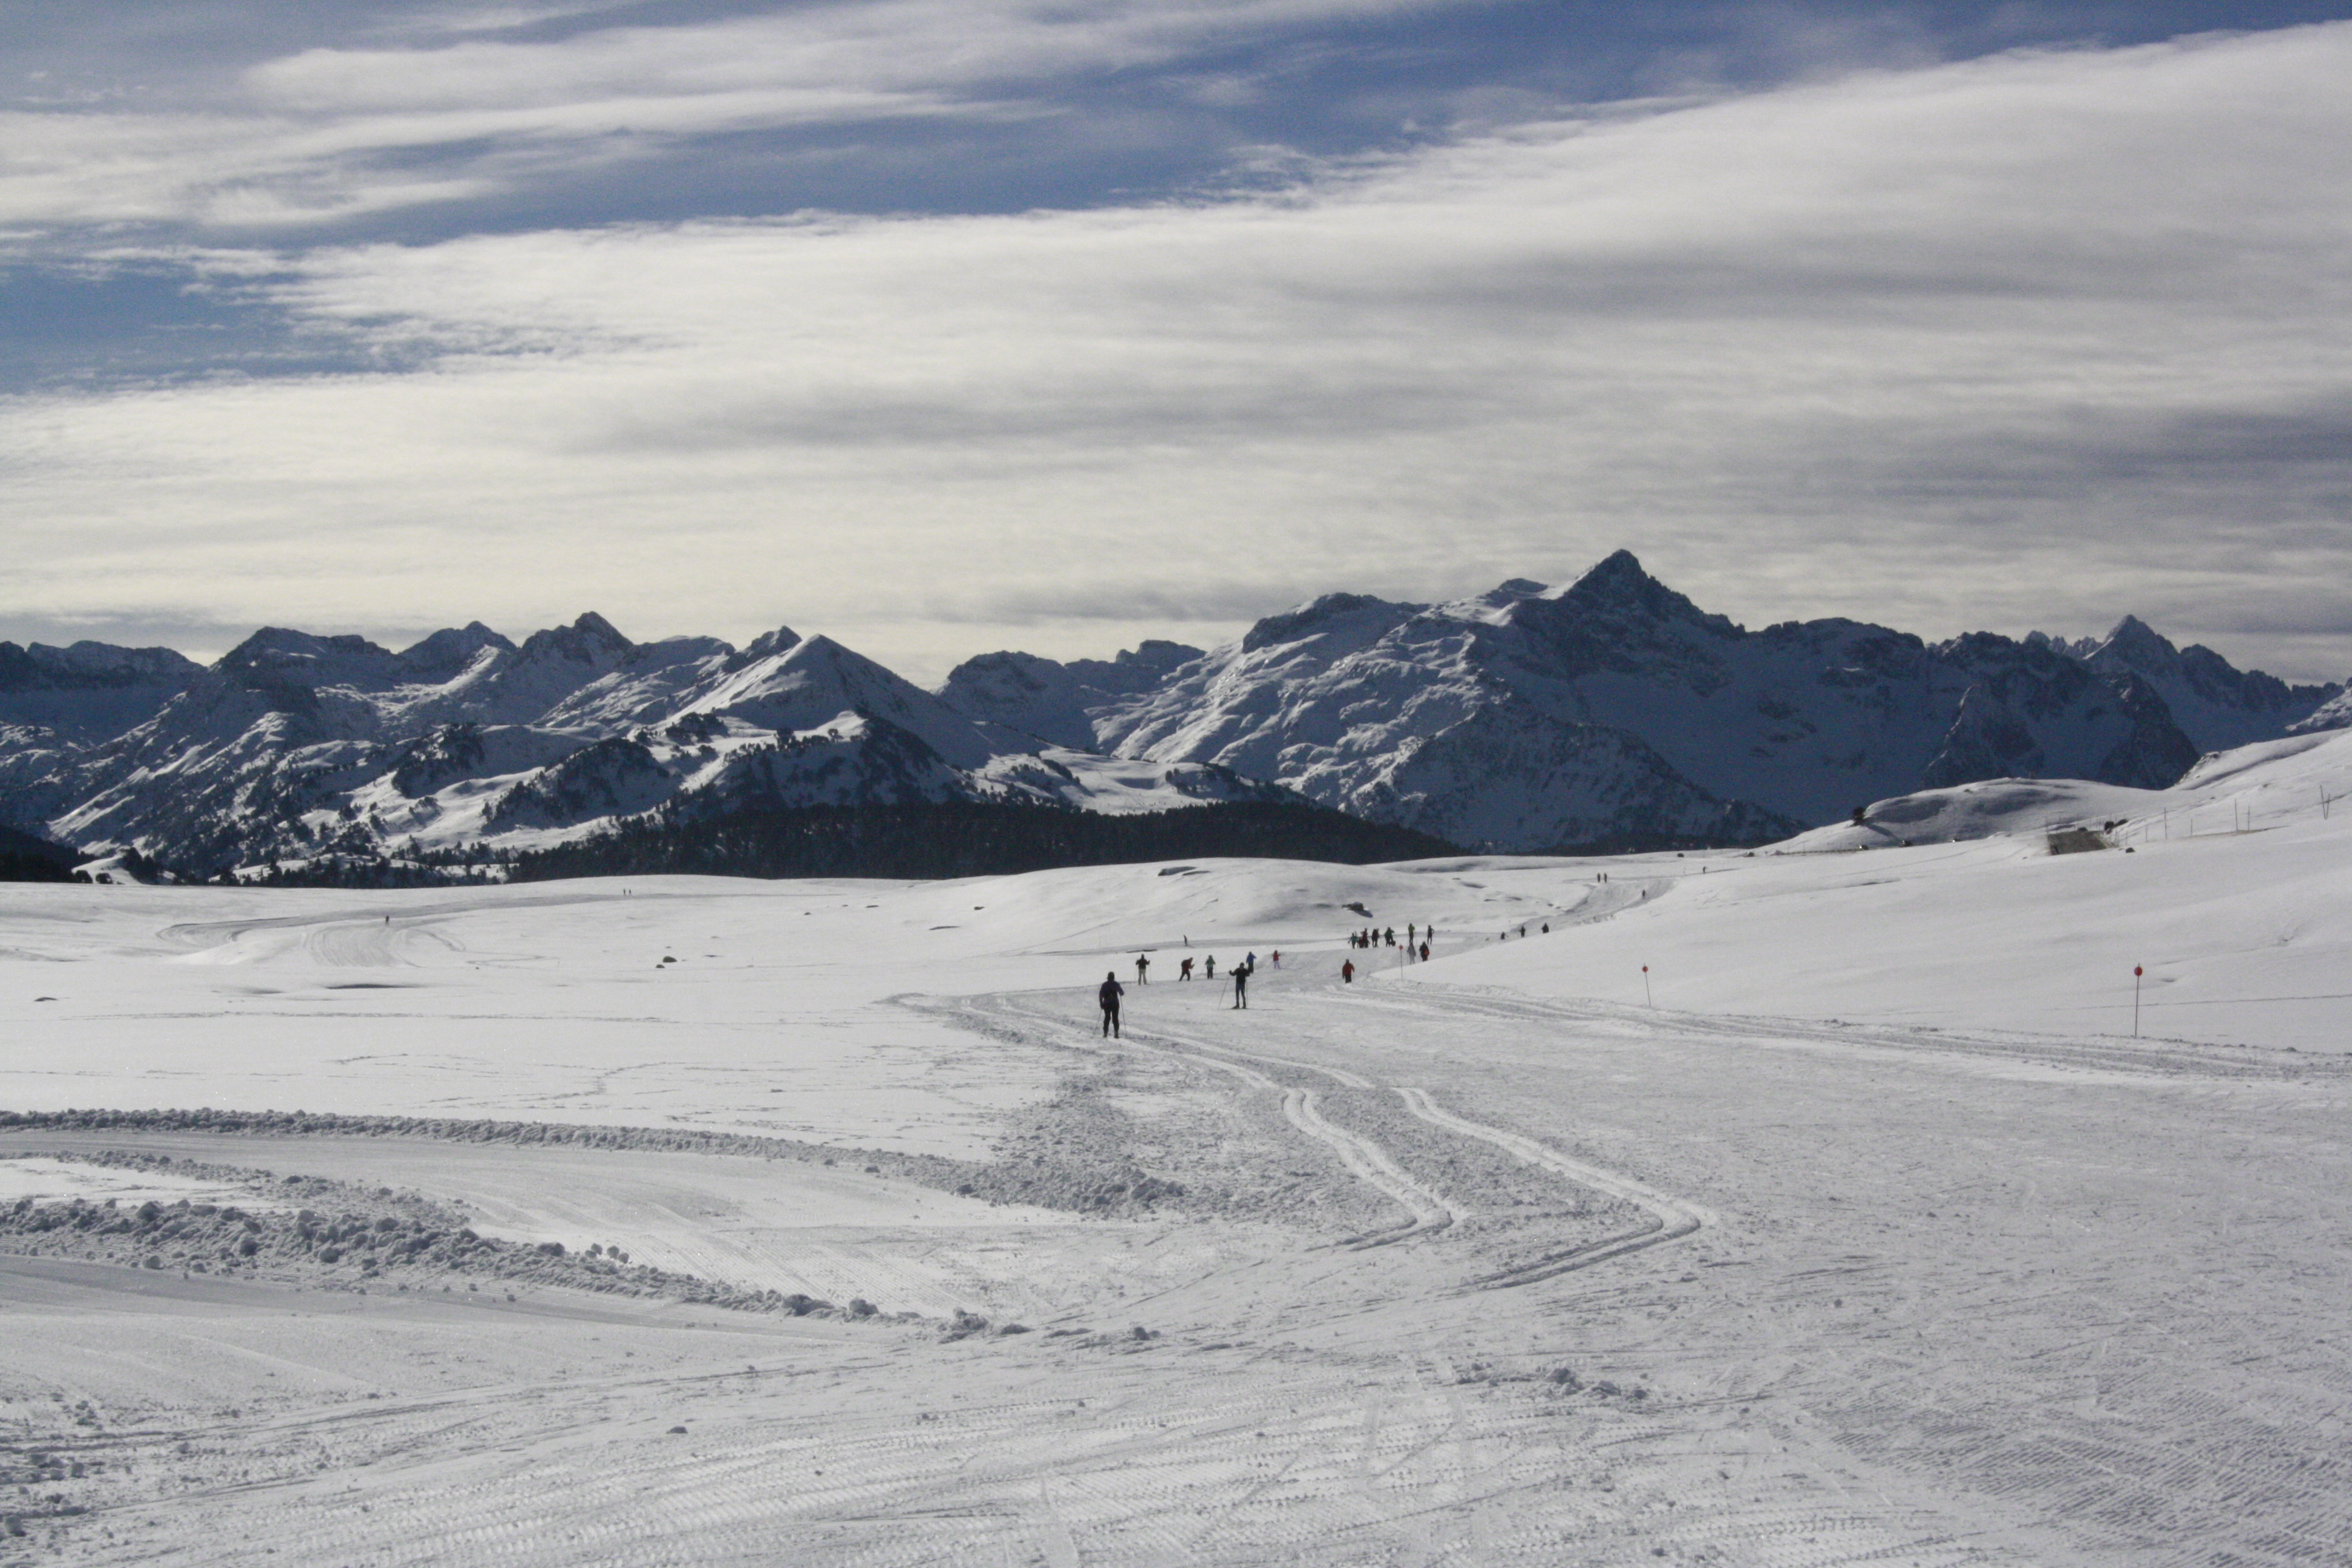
(1670, 1218)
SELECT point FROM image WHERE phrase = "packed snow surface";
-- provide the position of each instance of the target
(1870, 1231)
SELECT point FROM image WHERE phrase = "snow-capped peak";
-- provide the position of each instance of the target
(808, 682)
(768, 644)
(2135, 643)
(1496, 601)
(278, 658)
(1619, 585)
(591, 640)
(451, 649)
(1333, 611)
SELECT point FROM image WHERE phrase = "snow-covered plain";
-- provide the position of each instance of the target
(1879, 1238)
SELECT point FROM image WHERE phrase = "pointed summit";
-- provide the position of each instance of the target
(1618, 575)
(1618, 586)
(597, 627)
(450, 649)
(2134, 645)
(768, 644)
(592, 639)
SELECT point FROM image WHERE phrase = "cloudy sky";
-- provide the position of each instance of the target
(945, 325)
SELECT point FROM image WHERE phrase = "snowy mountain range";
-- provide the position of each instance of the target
(1612, 712)
(1616, 711)
(296, 747)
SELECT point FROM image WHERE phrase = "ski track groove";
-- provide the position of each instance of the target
(1671, 1218)
(2144, 1057)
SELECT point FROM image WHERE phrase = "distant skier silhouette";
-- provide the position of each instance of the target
(1142, 968)
(1108, 993)
(1348, 972)
(1184, 970)
(1241, 985)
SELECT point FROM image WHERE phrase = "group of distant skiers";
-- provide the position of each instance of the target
(1417, 940)
(1109, 992)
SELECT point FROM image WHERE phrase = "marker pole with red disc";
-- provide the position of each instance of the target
(2136, 972)
(1645, 988)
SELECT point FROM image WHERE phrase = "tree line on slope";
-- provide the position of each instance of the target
(924, 841)
(24, 859)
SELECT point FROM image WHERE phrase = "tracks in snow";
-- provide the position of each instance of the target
(1366, 1159)
(1671, 1218)
(1430, 1210)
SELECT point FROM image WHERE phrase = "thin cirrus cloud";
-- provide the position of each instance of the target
(2034, 339)
(335, 131)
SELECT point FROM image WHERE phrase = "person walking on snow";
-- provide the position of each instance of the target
(1348, 972)
(1212, 966)
(1108, 993)
(1424, 952)
(1241, 985)
(1184, 970)
(1142, 968)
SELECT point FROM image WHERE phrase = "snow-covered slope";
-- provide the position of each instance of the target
(1616, 710)
(1054, 701)
(2236, 901)
(1875, 1239)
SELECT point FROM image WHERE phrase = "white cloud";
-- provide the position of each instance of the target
(2031, 341)
(327, 135)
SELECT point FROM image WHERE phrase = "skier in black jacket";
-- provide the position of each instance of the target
(1108, 993)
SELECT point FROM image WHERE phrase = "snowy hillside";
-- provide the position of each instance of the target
(1769, 1208)
(2235, 897)
(1615, 710)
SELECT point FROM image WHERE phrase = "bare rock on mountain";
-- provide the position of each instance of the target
(2216, 705)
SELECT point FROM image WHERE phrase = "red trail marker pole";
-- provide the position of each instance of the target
(1653, 1001)
(2136, 972)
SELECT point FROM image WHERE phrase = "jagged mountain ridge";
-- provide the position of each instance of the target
(1612, 712)
(294, 745)
(87, 691)
(1615, 710)
(1055, 701)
